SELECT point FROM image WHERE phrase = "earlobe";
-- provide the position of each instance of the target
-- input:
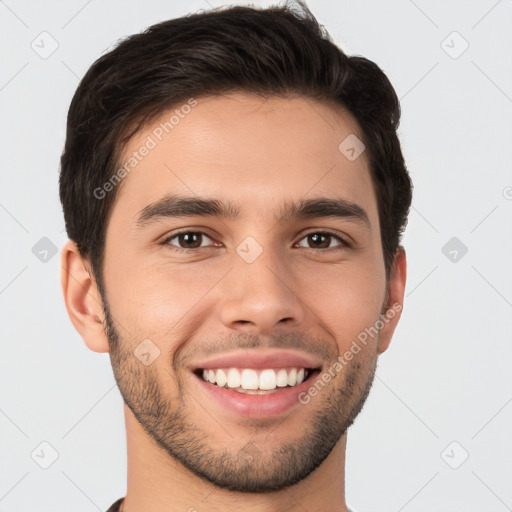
(82, 299)
(395, 299)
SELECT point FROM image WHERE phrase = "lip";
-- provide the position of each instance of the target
(259, 360)
(257, 406)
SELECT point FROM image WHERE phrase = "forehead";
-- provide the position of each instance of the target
(248, 151)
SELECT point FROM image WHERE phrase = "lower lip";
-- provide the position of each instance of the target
(258, 406)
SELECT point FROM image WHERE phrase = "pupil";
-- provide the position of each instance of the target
(317, 237)
(186, 237)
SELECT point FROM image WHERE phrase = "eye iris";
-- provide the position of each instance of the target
(317, 237)
(187, 238)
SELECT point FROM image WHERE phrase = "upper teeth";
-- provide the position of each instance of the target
(247, 378)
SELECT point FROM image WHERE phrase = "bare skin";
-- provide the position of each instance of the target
(185, 450)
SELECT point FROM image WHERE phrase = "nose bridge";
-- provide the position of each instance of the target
(259, 292)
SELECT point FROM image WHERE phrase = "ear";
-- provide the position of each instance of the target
(395, 299)
(83, 301)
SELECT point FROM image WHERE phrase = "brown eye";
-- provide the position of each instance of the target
(320, 241)
(188, 239)
(323, 240)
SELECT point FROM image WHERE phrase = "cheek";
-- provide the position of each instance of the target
(155, 299)
(349, 302)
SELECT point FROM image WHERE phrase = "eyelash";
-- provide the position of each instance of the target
(343, 243)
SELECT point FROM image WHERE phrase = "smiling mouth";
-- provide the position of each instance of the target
(253, 381)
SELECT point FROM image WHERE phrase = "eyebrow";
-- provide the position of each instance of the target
(184, 206)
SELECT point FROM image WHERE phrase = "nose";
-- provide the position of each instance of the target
(261, 295)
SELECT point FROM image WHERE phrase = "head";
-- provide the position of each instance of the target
(232, 182)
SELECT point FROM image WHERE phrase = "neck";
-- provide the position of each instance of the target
(158, 483)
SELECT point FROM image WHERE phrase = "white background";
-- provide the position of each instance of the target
(446, 376)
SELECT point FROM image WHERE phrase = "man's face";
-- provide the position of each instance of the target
(252, 284)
